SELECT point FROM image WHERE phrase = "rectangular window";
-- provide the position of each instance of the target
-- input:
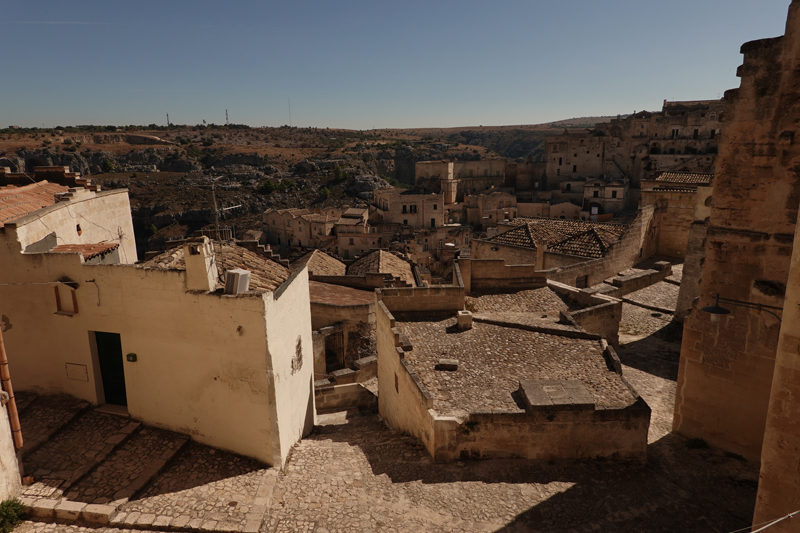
(351, 241)
(412, 208)
(433, 222)
(574, 168)
(560, 161)
(613, 194)
(435, 207)
(405, 209)
(66, 300)
(596, 194)
(424, 247)
(485, 173)
(405, 222)
(713, 133)
(696, 134)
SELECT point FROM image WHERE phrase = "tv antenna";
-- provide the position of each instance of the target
(168, 120)
(290, 112)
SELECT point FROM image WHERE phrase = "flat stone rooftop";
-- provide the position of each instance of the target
(492, 360)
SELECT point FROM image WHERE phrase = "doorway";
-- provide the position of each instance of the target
(112, 369)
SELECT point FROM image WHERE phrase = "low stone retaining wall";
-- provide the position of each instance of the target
(341, 397)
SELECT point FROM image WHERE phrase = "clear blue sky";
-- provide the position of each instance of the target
(364, 64)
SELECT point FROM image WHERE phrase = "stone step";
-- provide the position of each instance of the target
(41, 418)
(74, 452)
(129, 468)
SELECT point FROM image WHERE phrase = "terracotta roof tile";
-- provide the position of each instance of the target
(685, 177)
(325, 293)
(320, 264)
(16, 202)
(385, 263)
(265, 274)
(574, 237)
(88, 250)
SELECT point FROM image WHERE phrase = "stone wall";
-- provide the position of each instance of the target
(494, 275)
(636, 244)
(555, 433)
(601, 315)
(674, 216)
(323, 314)
(726, 368)
(10, 482)
(341, 397)
(433, 299)
(779, 490)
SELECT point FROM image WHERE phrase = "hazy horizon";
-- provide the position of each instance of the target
(359, 65)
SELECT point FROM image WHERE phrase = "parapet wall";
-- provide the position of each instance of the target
(555, 433)
(602, 316)
(493, 275)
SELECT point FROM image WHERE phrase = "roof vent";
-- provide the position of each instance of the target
(237, 281)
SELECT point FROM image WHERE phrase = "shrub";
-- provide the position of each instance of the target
(12, 512)
(325, 192)
(338, 173)
(107, 165)
(153, 229)
(67, 141)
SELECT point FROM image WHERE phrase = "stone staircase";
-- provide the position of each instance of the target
(82, 465)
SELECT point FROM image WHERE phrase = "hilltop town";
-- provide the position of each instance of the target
(589, 325)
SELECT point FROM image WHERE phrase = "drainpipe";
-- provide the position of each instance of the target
(5, 376)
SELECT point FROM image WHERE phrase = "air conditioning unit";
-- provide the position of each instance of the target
(237, 281)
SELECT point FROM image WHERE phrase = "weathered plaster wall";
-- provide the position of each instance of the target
(202, 359)
(103, 217)
(290, 346)
(674, 216)
(10, 482)
(401, 402)
(726, 369)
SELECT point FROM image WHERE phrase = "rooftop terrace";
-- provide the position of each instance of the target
(493, 359)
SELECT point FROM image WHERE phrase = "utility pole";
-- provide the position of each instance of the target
(226, 117)
(168, 120)
(290, 112)
(216, 212)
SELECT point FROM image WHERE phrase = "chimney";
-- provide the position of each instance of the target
(464, 320)
(201, 266)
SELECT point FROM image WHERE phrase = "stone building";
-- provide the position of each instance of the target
(728, 366)
(120, 334)
(474, 389)
(485, 209)
(682, 136)
(298, 227)
(455, 179)
(416, 208)
(603, 198)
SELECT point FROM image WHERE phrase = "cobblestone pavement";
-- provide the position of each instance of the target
(128, 468)
(74, 451)
(40, 418)
(532, 301)
(662, 295)
(361, 476)
(207, 488)
(549, 320)
(640, 322)
(493, 359)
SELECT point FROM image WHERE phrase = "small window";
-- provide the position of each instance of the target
(66, 300)
(574, 168)
(433, 222)
(560, 161)
(558, 172)
(405, 209)
(405, 222)
(435, 207)
(351, 241)
(78, 229)
(613, 194)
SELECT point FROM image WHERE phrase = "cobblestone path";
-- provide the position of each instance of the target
(42, 418)
(207, 488)
(74, 451)
(128, 468)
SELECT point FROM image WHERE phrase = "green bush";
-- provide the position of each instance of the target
(12, 512)
(325, 192)
(107, 165)
(153, 229)
(67, 141)
(338, 173)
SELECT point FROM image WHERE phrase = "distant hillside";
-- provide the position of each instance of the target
(580, 122)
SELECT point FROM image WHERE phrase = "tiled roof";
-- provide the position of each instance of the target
(16, 202)
(354, 212)
(320, 264)
(574, 237)
(314, 218)
(88, 250)
(385, 263)
(325, 293)
(265, 274)
(685, 177)
(349, 221)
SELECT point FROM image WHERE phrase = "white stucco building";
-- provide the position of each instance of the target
(162, 338)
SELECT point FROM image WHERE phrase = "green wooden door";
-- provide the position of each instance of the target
(112, 369)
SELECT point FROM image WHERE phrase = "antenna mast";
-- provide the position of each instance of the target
(168, 120)
(216, 213)
(290, 112)
(226, 117)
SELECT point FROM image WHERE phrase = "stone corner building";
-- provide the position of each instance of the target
(725, 383)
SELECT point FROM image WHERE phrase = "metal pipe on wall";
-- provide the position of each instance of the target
(5, 377)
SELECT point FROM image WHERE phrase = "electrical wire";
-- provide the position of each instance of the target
(768, 524)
